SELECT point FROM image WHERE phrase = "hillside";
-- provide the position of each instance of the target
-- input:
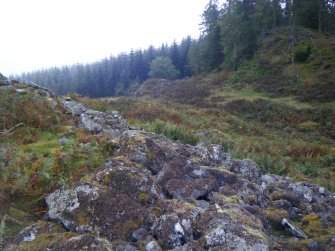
(280, 115)
(189, 164)
(73, 178)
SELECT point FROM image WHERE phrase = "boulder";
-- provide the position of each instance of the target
(89, 208)
(73, 107)
(96, 122)
(170, 231)
(232, 228)
(153, 246)
(141, 148)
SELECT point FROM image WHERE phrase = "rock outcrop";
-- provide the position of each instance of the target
(156, 194)
(3, 80)
(96, 122)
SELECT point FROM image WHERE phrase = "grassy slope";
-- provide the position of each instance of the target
(33, 159)
(263, 111)
(280, 115)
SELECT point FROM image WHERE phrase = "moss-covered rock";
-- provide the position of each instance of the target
(231, 227)
(91, 208)
(275, 217)
(152, 193)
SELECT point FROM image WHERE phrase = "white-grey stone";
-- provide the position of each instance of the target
(321, 190)
(153, 246)
(31, 236)
(20, 91)
(216, 238)
(294, 231)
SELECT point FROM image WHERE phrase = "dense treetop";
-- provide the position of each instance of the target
(230, 34)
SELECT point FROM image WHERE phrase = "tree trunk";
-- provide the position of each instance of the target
(274, 15)
(294, 38)
(319, 16)
(235, 57)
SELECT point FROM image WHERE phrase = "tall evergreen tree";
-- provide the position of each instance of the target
(184, 49)
(212, 33)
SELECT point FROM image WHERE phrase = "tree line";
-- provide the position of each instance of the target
(230, 34)
(116, 75)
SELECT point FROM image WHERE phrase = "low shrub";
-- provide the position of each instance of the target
(175, 132)
(301, 53)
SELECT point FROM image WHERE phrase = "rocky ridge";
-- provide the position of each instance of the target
(155, 194)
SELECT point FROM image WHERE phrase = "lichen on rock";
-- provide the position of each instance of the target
(156, 194)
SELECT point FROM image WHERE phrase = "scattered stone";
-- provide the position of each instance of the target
(88, 242)
(194, 189)
(321, 190)
(89, 125)
(247, 168)
(125, 247)
(20, 91)
(63, 202)
(315, 246)
(216, 238)
(3, 80)
(63, 141)
(74, 108)
(293, 230)
(169, 230)
(96, 122)
(141, 234)
(31, 236)
(153, 246)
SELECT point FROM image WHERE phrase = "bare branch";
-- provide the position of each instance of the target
(11, 130)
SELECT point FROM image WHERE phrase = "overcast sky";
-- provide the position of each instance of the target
(42, 33)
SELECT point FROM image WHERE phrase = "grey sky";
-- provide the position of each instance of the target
(42, 33)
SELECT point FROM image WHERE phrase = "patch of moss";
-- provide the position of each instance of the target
(230, 199)
(12, 226)
(17, 214)
(143, 197)
(275, 216)
(255, 232)
(83, 218)
(313, 226)
(46, 241)
(126, 228)
(251, 199)
(156, 212)
(308, 125)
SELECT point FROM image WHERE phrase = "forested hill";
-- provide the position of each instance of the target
(231, 35)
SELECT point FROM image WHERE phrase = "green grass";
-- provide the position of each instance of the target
(282, 134)
(33, 159)
(174, 132)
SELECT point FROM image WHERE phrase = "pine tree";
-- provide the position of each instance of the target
(212, 35)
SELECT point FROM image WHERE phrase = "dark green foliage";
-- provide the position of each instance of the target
(301, 54)
(231, 34)
(162, 67)
(111, 76)
(306, 13)
(213, 51)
